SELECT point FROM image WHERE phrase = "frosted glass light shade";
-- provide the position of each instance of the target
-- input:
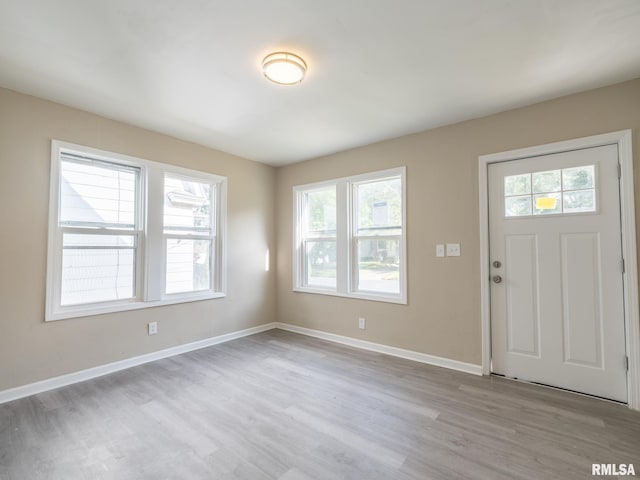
(284, 68)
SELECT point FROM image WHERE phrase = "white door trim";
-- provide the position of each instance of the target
(632, 318)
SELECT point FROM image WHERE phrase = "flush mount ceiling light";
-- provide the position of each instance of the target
(284, 68)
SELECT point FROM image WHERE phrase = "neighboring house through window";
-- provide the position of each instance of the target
(127, 233)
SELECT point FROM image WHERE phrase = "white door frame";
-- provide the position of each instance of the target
(632, 318)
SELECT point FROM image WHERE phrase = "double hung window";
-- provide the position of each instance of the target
(350, 237)
(127, 233)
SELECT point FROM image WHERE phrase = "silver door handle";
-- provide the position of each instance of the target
(497, 279)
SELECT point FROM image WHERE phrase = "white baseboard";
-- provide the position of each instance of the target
(82, 375)
(380, 348)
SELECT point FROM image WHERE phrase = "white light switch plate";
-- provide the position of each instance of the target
(440, 250)
(453, 249)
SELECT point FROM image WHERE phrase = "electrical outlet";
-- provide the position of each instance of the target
(361, 323)
(153, 328)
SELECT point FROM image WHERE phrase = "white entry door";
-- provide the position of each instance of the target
(557, 311)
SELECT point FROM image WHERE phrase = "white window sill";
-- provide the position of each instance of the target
(374, 297)
(88, 310)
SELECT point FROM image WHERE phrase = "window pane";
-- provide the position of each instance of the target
(379, 207)
(97, 193)
(547, 204)
(544, 182)
(97, 268)
(517, 206)
(320, 213)
(320, 261)
(517, 184)
(578, 178)
(187, 206)
(379, 265)
(188, 265)
(579, 201)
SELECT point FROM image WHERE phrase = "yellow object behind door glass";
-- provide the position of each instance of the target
(546, 203)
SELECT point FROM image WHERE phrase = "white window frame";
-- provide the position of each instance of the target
(346, 238)
(150, 254)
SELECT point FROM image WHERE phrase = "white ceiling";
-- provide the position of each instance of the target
(378, 69)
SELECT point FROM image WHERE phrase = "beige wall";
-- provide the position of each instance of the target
(442, 317)
(443, 314)
(32, 350)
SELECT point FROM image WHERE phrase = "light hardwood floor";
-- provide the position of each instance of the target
(278, 405)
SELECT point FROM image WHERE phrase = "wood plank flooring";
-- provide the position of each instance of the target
(278, 405)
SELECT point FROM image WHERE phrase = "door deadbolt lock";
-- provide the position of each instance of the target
(497, 279)
(497, 264)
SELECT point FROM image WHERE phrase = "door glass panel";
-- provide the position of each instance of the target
(578, 178)
(544, 182)
(517, 206)
(517, 185)
(567, 190)
(579, 201)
